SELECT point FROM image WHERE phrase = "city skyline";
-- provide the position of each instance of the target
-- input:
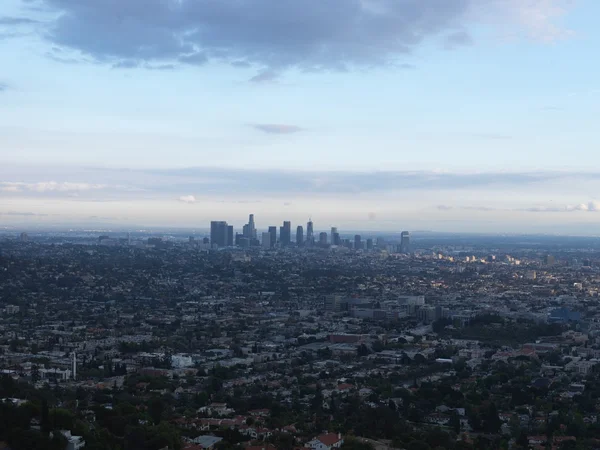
(367, 114)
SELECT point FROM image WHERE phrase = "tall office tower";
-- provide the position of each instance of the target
(273, 234)
(369, 244)
(299, 236)
(249, 229)
(380, 243)
(230, 236)
(285, 234)
(405, 242)
(252, 225)
(357, 242)
(310, 237)
(335, 236)
(218, 233)
(335, 239)
(266, 240)
(323, 238)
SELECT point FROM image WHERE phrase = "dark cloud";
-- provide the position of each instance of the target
(14, 21)
(319, 35)
(273, 128)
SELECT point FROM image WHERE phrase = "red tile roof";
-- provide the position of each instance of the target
(329, 439)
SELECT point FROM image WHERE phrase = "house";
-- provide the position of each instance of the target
(326, 441)
(73, 442)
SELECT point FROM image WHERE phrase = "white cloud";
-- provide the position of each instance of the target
(49, 186)
(187, 199)
(536, 19)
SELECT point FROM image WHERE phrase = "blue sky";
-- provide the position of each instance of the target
(475, 115)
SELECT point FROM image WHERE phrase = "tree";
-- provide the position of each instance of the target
(45, 421)
(377, 346)
(351, 443)
(35, 374)
(362, 350)
(455, 422)
(156, 410)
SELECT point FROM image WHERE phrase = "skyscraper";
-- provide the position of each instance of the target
(218, 233)
(310, 232)
(252, 226)
(273, 234)
(323, 238)
(299, 236)
(357, 242)
(230, 235)
(369, 244)
(405, 242)
(266, 240)
(335, 239)
(285, 234)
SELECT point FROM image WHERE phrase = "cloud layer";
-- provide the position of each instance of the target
(272, 128)
(48, 186)
(316, 35)
(218, 181)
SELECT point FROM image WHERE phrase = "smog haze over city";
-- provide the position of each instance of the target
(379, 115)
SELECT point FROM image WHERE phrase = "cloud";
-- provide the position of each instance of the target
(48, 186)
(3, 87)
(272, 128)
(458, 39)
(22, 214)
(15, 21)
(592, 206)
(187, 199)
(315, 35)
(266, 76)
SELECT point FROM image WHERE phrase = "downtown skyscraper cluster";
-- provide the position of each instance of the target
(222, 235)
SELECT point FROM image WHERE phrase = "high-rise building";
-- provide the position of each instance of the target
(323, 238)
(405, 242)
(333, 230)
(357, 242)
(369, 244)
(273, 234)
(310, 237)
(252, 226)
(218, 233)
(249, 230)
(230, 236)
(266, 240)
(24, 237)
(285, 234)
(299, 236)
(335, 239)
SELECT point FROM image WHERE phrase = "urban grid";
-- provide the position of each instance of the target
(127, 340)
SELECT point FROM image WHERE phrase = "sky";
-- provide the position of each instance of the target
(383, 115)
